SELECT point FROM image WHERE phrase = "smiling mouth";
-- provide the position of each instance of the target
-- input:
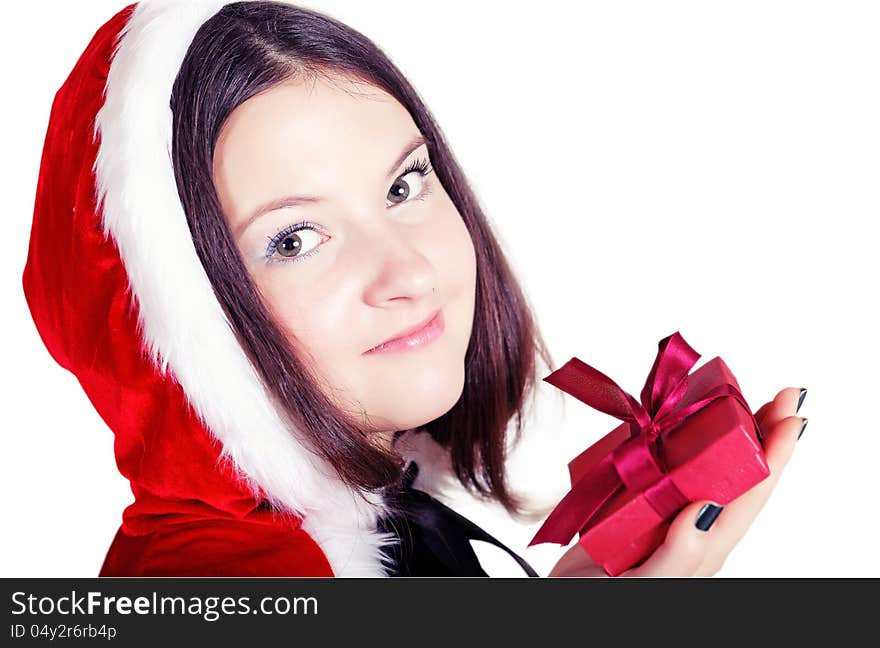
(422, 337)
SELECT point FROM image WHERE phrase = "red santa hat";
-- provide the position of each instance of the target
(121, 300)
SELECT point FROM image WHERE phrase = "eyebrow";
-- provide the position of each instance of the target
(294, 201)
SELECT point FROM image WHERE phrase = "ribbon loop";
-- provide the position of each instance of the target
(597, 390)
(667, 380)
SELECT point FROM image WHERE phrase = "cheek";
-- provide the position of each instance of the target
(308, 317)
(459, 263)
(452, 253)
(467, 279)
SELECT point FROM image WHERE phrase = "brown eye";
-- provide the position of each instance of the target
(290, 245)
(405, 186)
(295, 242)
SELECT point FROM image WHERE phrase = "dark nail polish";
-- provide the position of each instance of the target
(801, 399)
(707, 516)
(803, 427)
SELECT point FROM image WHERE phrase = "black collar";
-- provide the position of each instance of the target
(434, 539)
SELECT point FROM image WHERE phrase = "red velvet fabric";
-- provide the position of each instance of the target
(190, 516)
(217, 547)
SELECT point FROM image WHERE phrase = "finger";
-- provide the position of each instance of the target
(684, 549)
(785, 403)
(780, 441)
(742, 511)
(762, 412)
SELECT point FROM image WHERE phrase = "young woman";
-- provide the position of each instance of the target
(275, 285)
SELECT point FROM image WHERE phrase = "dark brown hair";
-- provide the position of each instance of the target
(247, 48)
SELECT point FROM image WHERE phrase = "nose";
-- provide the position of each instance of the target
(397, 266)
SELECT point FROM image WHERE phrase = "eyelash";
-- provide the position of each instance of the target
(422, 165)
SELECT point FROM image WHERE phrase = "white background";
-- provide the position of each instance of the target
(703, 167)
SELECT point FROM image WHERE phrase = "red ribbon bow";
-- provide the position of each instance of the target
(636, 464)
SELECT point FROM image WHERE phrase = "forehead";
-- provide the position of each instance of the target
(301, 134)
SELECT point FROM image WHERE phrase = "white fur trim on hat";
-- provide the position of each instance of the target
(182, 323)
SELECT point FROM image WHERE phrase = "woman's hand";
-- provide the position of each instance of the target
(688, 551)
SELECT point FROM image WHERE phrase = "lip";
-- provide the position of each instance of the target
(415, 337)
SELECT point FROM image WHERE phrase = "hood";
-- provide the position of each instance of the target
(120, 299)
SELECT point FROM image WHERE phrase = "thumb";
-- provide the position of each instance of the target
(684, 549)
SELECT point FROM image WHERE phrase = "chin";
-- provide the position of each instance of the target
(418, 402)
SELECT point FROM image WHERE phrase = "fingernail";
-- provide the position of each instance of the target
(801, 399)
(707, 516)
(803, 427)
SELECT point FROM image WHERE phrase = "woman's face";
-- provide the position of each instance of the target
(388, 247)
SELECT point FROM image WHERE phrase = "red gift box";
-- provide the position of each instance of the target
(692, 437)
